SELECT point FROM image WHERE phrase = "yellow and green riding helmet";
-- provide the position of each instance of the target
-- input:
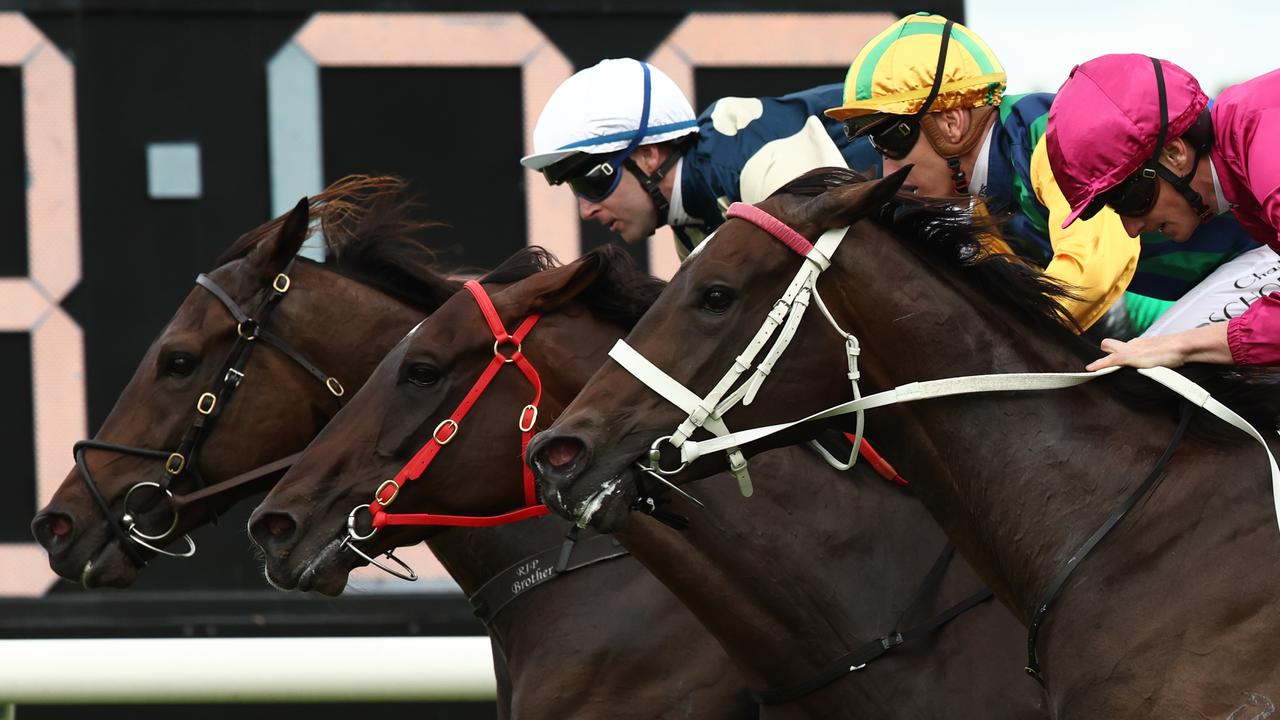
(921, 64)
(895, 72)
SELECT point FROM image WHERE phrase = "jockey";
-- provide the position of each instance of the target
(1137, 135)
(624, 138)
(927, 76)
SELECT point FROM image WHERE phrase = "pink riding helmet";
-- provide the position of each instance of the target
(1105, 122)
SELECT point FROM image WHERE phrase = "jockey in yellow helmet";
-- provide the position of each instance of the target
(928, 77)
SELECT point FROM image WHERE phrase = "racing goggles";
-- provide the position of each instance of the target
(1135, 196)
(893, 138)
(598, 182)
(593, 177)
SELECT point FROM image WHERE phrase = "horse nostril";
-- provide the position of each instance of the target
(279, 526)
(59, 525)
(52, 527)
(561, 452)
(272, 528)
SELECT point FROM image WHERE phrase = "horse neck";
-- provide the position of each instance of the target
(473, 556)
(814, 564)
(1013, 478)
(350, 327)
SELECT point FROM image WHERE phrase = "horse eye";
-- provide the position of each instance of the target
(179, 365)
(422, 375)
(717, 298)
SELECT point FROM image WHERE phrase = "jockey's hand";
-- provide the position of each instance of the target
(1202, 344)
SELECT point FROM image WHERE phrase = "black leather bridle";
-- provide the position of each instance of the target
(251, 331)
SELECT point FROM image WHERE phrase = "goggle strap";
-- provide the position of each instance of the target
(1164, 111)
(937, 74)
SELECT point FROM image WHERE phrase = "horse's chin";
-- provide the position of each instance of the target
(325, 572)
(607, 508)
(111, 567)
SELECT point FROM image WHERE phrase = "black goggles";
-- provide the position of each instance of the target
(592, 177)
(893, 138)
(597, 183)
(1135, 196)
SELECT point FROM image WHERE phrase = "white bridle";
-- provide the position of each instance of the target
(786, 313)
(707, 412)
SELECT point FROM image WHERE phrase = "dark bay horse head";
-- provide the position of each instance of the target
(715, 302)
(318, 341)
(302, 523)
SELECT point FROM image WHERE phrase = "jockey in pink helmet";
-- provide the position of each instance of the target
(1137, 135)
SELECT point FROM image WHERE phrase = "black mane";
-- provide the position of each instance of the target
(947, 235)
(523, 263)
(620, 294)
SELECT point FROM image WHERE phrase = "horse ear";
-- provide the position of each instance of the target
(845, 205)
(553, 288)
(274, 252)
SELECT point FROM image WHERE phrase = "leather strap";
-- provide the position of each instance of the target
(214, 489)
(868, 652)
(1041, 612)
(527, 574)
(1004, 382)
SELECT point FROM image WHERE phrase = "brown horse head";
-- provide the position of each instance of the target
(303, 523)
(311, 329)
(709, 311)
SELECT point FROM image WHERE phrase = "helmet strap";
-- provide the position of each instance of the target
(651, 182)
(1180, 183)
(929, 123)
(958, 179)
(953, 151)
(937, 73)
(1183, 185)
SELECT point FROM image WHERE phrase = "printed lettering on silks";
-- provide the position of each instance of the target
(1225, 294)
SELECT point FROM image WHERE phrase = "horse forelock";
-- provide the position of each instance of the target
(373, 235)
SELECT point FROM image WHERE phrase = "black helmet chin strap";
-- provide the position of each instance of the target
(651, 182)
(1181, 183)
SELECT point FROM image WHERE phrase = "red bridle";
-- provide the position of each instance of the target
(448, 429)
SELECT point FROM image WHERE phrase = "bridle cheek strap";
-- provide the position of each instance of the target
(445, 432)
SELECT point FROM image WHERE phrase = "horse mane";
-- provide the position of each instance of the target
(949, 236)
(949, 233)
(621, 293)
(372, 231)
(521, 264)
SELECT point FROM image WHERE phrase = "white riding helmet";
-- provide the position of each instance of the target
(600, 109)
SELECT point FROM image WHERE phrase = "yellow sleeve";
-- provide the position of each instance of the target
(1096, 256)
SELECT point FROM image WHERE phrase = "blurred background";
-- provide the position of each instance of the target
(169, 127)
